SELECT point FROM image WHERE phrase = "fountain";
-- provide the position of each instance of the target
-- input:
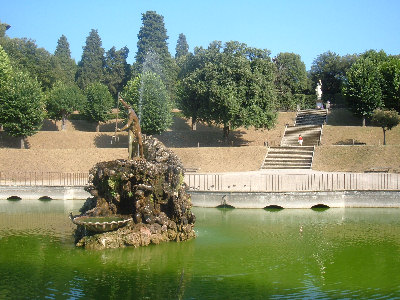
(151, 64)
(136, 202)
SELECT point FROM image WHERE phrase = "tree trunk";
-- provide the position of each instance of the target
(226, 131)
(63, 126)
(98, 127)
(194, 123)
(22, 142)
(384, 136)
(1, 127)
(363, 121)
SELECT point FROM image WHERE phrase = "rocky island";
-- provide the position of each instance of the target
(136, 202)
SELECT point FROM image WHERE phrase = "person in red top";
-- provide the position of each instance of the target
(300, 140)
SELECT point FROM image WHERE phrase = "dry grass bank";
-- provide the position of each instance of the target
(78, 148)
(357, 158)
(358, 135)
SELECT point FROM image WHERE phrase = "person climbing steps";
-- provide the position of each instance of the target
(300, 140)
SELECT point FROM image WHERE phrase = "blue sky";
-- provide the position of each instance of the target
(305, 27)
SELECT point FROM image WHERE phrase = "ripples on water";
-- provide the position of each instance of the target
(238, 254)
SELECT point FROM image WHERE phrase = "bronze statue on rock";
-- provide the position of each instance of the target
(134, 131)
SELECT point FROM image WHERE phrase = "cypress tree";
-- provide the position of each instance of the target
(152, 40)
(152, 37)
(116, 69)
(64, 64)
(182, 47)
(90, 68)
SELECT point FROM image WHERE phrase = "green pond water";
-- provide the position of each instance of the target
(238, 254)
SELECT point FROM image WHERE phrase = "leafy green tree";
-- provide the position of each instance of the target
(149, 98)
(387, 119)
(5, 69)
(182, 47)
(3, 28)
(99, 103)
(375, 56)
(64, 65)
(362, 88)
(291, 79)
(152, 40)
(26, 56)
(5, 75)
(62, 100)
(331, 68)
(231, 85)
(116, 69)
(90, 68)
(21, 106)
(390, 70)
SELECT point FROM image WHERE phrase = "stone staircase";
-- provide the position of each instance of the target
(311, 117)
(290, 155)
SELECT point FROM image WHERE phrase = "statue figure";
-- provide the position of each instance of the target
(319, 90)
(134, 130)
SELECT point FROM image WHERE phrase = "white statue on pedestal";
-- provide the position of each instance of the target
(318, 90)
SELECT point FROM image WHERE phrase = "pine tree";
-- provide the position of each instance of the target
(65, 66)
(90, 68)
(152, 37)
(116, 69)
(182, 47)
(152, 40)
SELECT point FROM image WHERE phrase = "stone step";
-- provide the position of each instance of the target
(308, 148)
(295, 135)
(310, 122)
(290, 155)
(303, 127)
(310, 143)
(304, 135)
(307, 140)
(299, 130)
(311, 114)
(290, 152)
(312, 111)
(273, 161)
(310, 119)
(285, 167)
(300, 122)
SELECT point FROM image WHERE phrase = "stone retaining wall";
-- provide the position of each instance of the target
(295, 182)
(371, 199)
(235, 199)
(44, 192)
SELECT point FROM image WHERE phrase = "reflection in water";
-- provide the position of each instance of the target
(250, 254)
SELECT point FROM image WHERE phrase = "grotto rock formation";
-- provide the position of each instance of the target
(151, 191)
